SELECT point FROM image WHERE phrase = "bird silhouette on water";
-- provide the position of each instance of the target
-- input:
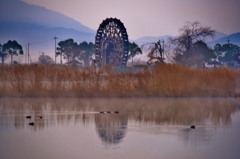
(31, 124)
(192, 127)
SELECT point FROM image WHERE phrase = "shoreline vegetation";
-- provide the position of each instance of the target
(163, 80)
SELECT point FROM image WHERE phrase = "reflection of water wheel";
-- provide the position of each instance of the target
(111, 43)
(111, 128)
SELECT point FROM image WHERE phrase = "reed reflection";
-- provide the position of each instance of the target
(112, 128)
(183, 111)
(149, 110)
(53, 113)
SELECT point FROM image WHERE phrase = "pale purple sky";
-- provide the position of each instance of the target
(150, 17)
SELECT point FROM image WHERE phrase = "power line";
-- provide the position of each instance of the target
(38, 42)
(41, 41)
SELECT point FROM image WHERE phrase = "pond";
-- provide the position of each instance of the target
(119, 128)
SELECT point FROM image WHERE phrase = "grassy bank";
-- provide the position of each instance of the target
(163, 80)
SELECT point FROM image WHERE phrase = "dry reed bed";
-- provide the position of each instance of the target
(162, 80)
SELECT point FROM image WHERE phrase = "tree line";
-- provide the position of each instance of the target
(75, 53)
(69, 50)
(189, 48)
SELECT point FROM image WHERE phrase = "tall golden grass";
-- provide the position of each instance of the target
(163, 80)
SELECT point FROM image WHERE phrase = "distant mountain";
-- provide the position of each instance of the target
(151, 39)
(233, 38)
(39, 37)
(25, 32)
(18, 11)
(218, 35)
(37, 25)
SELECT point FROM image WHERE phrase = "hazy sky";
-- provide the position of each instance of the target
(150, 17)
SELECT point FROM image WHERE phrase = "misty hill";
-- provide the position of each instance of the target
(25, 32)
(38, 26)
(151, 39)
(218, 35)
(18, 11)
(39, 37)
(233, 38)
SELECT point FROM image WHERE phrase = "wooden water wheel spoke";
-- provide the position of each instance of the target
(111, 43)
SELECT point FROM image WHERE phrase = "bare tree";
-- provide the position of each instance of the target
(192, 32)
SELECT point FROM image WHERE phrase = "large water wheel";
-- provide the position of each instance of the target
(111, 43)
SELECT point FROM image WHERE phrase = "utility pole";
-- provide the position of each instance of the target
(28, 53)
(25, 54)
(163, 49)
(55, 38)
(228, 44)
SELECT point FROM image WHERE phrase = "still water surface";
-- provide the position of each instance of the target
(144, 128)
